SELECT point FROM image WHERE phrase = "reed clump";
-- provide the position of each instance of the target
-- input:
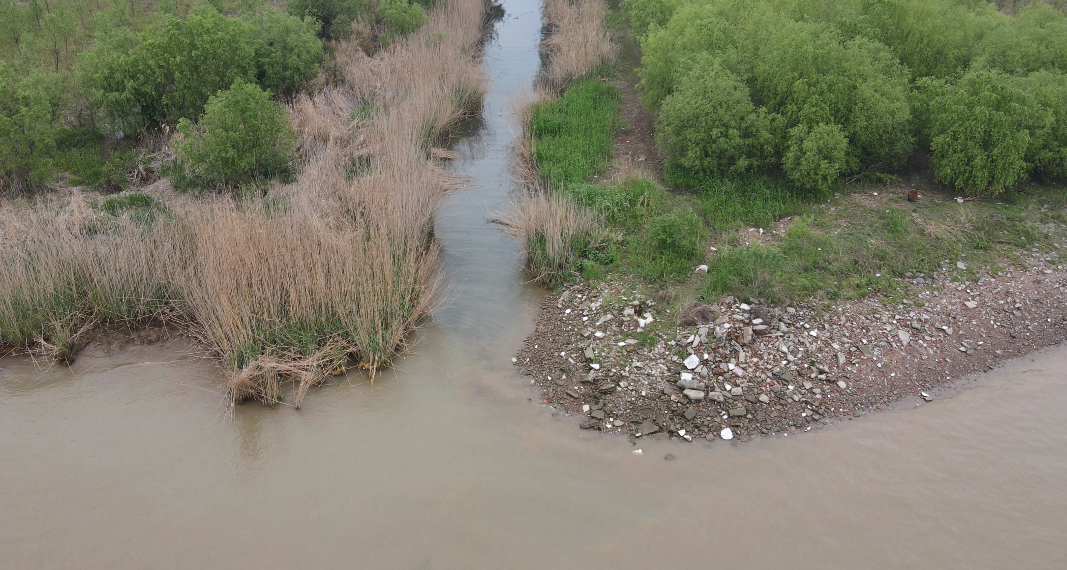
(284, 286)
(577, 42)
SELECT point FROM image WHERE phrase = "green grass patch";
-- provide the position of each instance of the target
(573, 134)
(729, 203)
(853, 250)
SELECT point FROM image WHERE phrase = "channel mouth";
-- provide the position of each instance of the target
(128, 460)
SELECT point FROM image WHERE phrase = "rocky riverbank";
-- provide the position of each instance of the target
(620, 361)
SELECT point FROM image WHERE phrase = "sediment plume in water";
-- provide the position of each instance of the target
(284, 287)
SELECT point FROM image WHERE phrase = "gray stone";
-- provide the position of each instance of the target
(841, 384)
(691, 384)
(617, 423)
(598, 414)
(588, 378)
(737, 412)
(746, 335)
(694, 395)
(589, 352)
(606, 387)
(764, 398)
(649, 428)
(716, 396)
(690, 413)
(572, 394)
(866, 350)
(589, 424)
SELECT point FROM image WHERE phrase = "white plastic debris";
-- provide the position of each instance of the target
(726, 434)
(638, 452)
(701, 269)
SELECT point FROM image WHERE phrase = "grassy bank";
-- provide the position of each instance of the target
(761, 235)
(284, 284)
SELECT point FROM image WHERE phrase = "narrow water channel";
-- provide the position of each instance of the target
(448, 461)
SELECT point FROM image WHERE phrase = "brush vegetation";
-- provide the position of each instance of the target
(819, 91)
(126, 72)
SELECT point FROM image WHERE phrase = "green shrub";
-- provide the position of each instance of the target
(336, 15)
(288, 51)
(817, 156)
(29, 124)
(242, 136)
(1035, 40)
(181, 63)
(169, 71)
(981, 129)
(709, 124)
(643, 14)
(1048, 147)
(402, 17)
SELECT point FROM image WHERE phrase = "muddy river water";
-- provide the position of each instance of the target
(447, 461)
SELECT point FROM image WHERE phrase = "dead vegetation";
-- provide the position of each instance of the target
(282, 286)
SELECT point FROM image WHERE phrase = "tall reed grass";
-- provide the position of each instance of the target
(287, 286)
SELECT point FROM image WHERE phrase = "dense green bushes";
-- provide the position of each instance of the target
(175, 67)
(243, 136)
(28, 127)
(822, 89)
(116, 68)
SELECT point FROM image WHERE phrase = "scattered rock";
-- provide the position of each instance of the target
(649, 428)
(669, 457)
(690, 413)
(694, 395)
(737, 412)
(905, 336)
(589, 424)
(691, 384)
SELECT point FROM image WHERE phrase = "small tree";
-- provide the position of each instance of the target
(242, 136)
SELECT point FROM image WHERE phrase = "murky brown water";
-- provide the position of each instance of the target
(129, 462)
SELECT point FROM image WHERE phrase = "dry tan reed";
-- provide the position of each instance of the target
(551, 229)
(285, 287)
(577, 41)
